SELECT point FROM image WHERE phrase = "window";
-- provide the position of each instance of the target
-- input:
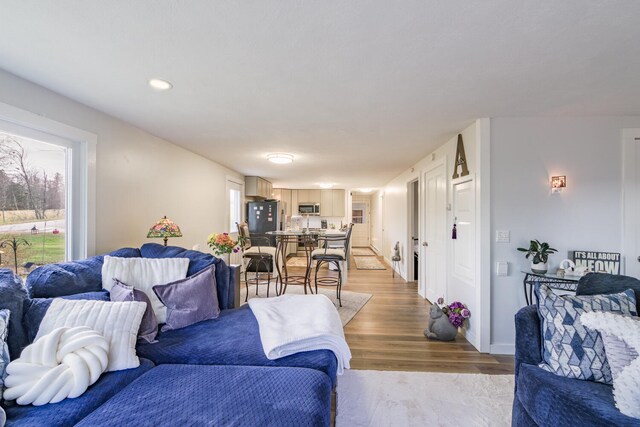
(358, 215)
(33, 195)
(234, 189)
(47, 190)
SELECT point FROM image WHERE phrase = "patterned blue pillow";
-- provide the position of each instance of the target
(569, 349)
(4, 348)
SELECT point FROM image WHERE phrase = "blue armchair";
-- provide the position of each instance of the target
(545, 399)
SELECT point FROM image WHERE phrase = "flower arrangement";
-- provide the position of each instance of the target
(222, 243)
(456, 311)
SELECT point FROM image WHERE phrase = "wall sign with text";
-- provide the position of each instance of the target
(599, 262)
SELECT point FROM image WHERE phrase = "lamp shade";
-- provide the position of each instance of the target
(164, 229)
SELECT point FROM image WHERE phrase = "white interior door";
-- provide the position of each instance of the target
(432, 282)
(631, 232)
(361, 229)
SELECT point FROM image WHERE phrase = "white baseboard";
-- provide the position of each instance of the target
(471, 337)
(509, 349)
(390, 264)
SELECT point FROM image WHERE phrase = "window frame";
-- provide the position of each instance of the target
(239, 182)
(81, 172)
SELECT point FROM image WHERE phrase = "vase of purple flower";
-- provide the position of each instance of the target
(456, 311)
(445, 320)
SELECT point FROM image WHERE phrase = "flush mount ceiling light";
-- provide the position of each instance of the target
(280, 158)
(366, 190)
(159, 84)
(326, 185)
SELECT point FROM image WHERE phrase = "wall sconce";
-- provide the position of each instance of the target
(558, 183)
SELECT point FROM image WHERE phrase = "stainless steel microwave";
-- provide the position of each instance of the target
(309, 208)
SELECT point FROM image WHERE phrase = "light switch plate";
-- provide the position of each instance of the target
(502, 268)
(503, 236)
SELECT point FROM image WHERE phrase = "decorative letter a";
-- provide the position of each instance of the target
(461, 160)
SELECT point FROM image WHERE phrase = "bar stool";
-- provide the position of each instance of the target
(334, 251)
(308, 243)
(260, 256)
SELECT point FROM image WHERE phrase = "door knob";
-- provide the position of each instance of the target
(639, 259)
(426, 244)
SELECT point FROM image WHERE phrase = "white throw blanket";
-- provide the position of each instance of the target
(59, 365)
(292, 324)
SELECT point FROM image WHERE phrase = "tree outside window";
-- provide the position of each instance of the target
(32, 203)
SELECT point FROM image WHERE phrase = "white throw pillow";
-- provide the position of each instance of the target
(626, 383)
(118, 322)
(58, 365)
(144, 274)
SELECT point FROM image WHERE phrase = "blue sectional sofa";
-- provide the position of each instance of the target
(545, 399)
(211, 373)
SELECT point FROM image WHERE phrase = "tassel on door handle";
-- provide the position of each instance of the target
(454, 232)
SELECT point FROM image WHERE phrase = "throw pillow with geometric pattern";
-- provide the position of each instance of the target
(569, 349)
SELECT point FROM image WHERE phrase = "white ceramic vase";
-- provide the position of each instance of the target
(225, 258)
(540, 268)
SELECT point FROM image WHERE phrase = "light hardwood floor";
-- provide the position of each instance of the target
(387, 334)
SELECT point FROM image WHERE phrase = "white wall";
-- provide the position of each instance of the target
(395, 195)
(139, 177)
(525, 153)
(396, 226)
(376, 221)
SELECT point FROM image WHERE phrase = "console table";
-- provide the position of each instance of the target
(563, 283)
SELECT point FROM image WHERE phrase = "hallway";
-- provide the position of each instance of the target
(387, 334)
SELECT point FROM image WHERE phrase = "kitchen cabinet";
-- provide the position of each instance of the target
(284, 195)
(332, 203)
(338, 203)
(326, 202)
(294, 202)
(286, 198)
(303, 196)
(254, 186)
(314, 196)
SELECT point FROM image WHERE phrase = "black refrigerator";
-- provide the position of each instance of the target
(263, 217)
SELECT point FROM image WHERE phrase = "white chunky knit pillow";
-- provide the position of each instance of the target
(118, 322)
(59, 365)
(626, 382)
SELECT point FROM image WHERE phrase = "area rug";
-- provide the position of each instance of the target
(390, 398)
(368, 263)
(362, 252)
(299, 261)
(352, 302)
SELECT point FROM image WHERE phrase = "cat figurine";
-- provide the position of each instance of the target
(439, 327)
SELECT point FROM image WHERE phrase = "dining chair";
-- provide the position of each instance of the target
(258, 257)
(332, 250)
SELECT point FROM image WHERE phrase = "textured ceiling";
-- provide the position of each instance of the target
(358, 91)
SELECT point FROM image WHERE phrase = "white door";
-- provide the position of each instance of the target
(360, 218)
(631, 232)
(432, 282)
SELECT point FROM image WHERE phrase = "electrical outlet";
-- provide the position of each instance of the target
(502, 268)
(503, 236)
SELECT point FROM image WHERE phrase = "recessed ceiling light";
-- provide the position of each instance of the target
(326, 185)
(280, 158)
(366, 190)
(159, 84)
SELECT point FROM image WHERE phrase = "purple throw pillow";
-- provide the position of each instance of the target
(149, 325)
(189, 300)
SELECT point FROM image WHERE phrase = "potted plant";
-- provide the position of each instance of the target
(538, 253)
